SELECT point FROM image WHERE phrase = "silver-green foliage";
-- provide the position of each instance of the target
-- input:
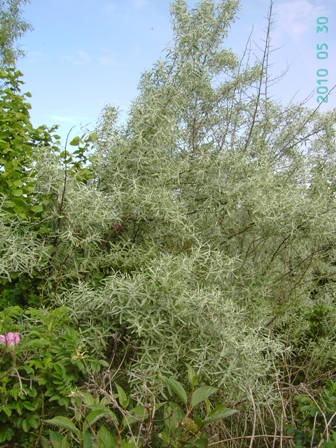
(223, 230)
(213, 183)
(226, 203)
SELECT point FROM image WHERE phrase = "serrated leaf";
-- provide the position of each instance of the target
(177, 387)
(64, 423)
(201, 394)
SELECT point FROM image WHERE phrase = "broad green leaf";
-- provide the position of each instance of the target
(64, 423)
(137, 414)
(75, 141)
(37, 208)
(17, 183)
(164, 436)
(34, 420)
(123, 399)
(92, 418)
(25, 425)
(198, 421)
(173, 415)
(105, 439)
(201, 393)
(177, 387)
(126, 444)
(192, 377)
(220, 412)
(17, 192)
(57, 440)
(18, 407)
(88, 399)
(198, 443)
(87, 440)
(207, 406)
(7, 410)
(38, 343)
(91, 137)
(3, 436)
(30, 406)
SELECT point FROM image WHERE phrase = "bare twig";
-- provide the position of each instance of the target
(258, 436)
(254, 418)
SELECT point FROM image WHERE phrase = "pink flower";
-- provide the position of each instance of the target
(10, 339)
(117, 227)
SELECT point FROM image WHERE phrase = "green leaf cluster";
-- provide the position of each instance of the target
(38, 376)
(19, 143)
(136, 425)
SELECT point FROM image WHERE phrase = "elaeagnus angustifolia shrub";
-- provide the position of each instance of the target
(221, 224)
(201, 231)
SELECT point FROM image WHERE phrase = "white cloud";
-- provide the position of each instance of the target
(80, 58)
(106, 61)
(111, 8)
(84, 56)
(108, 57)
(72, 60)
(139, 3)
(64, 119)
(297, 17)
(39, 54)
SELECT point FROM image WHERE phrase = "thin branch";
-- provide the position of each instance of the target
(261, 78)
(259, 436)
(254, 419)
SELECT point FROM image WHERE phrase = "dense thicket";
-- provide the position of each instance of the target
(201, 232)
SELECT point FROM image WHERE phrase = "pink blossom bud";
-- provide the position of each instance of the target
(117, 227)
(10, 339)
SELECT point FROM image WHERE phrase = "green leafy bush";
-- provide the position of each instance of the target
(19, 143)
(117, 420)
(39, 374)
(316, 418)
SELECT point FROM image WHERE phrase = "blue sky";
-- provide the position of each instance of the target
(84, 54)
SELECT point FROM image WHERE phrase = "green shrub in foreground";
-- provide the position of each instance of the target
(117, 420)
(38, 374)
(44, 378)
(316, 418)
